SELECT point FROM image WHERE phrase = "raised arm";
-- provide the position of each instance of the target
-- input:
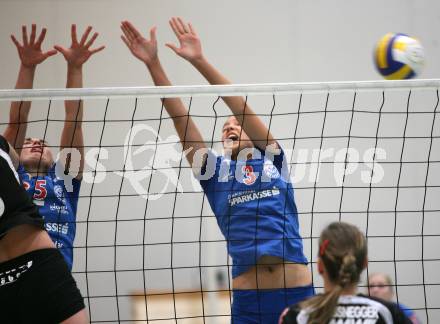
(146, 50)
(191, 50)
(14, 157)
(76, 55)
(30, 54)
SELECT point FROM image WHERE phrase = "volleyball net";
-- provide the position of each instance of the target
(147, 246)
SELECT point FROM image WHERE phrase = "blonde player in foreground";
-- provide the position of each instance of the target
(248, 189)
(341, 260)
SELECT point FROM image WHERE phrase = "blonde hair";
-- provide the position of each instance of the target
(343, 251)
(386, 277)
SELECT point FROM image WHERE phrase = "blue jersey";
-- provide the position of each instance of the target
(409, 313)
(255, 209)
(56, 205)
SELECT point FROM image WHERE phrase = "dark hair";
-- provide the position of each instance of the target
(343, 251)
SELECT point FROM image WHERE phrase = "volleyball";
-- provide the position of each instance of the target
(399, 56)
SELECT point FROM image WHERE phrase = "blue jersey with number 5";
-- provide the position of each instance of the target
(56, 205)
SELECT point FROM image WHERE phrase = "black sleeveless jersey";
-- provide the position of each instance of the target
(16, 208)
(359, 309)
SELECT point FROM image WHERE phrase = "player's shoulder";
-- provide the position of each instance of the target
(392, 308)
(389, 312)
(290, 315)
(372, 299)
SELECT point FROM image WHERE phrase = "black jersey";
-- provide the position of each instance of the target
(358, 309)
(16, 208)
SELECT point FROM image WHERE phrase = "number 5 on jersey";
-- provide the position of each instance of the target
(40, 192)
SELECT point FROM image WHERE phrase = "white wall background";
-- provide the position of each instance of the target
(251, 42)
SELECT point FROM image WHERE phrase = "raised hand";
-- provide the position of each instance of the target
(190, 47)
(142, 48)
(79, 52)
(30, 52)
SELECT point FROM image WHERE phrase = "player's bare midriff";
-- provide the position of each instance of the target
(23, 239)
(273, 273)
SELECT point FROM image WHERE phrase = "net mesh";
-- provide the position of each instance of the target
(147, 245)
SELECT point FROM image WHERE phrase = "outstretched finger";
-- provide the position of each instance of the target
(91, 41)
(125, 40)
(192, 29)
(33, 33)
(127, 32)
(153, 34)
(50, 53)
(85, 35)
(132, 29)
(182, 25)
(178, 26)
(173, 47)
(15, 41)
(60, 49)
(174, 28)
(73, 34)
(96, 50)
(24, 33)
(41, 37)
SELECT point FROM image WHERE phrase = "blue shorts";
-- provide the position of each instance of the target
(265, 305)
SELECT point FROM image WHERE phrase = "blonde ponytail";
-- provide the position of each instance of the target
(343, 251)
(322, 306)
